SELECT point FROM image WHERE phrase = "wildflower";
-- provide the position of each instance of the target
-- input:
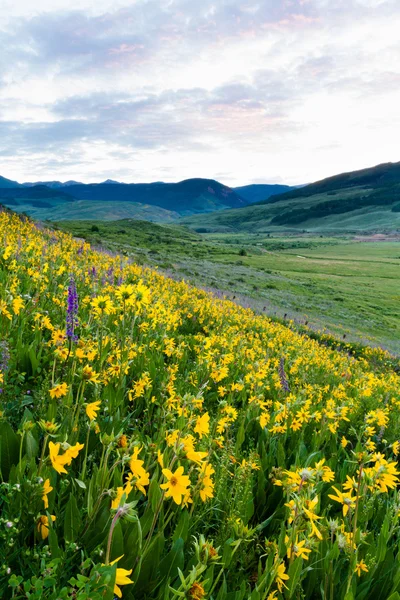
(121, 578)
(346, 499)
(196, 592)
(297, 549)
(202, 425)
(344, 442)
(207, 490)
(120, 492)
(92, 409)
(102, 304)
(176, 485)
(396, 447)
(138, 471)
(122, 441)
(4, 310)
(49, 426)
(125, 293)
(142, 295)
(46, 490)
(59, 391)
(17, 304)
(58, 337)
(361, 566)
(281, 577)
(309, 512)
(72, 311)
(59, 461)
(324, 471)
(43, 525)
(350, 484)
(89, 374)
(383, 474)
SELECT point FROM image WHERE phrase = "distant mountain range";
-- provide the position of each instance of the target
(257, 192)
(367, 200)
(114, 200)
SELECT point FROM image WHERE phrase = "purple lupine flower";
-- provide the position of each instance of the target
(72, 310)
(282, 375)
(110, 274)
(4, 356)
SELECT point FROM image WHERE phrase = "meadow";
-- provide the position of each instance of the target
(335, 284)
(157, 442)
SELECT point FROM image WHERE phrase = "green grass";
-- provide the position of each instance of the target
(258, 217)
(345, 286)
(92, 209)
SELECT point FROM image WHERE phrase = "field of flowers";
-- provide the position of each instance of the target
(159, 443)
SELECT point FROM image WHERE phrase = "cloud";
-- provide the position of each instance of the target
(279, 90)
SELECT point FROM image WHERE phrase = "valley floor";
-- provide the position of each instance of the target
(345, 285)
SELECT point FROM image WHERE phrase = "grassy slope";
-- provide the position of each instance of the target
(258, 217)
(90, 209)
(349, 287)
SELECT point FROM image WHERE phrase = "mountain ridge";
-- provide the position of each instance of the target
(367, 199)
(189, 196)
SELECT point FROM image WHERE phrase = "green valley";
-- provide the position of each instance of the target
(342, 284)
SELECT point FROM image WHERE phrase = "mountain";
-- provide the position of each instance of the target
(365, 200)
(8, 183)
(51, 184)
(163, 201)
(186, 197)
(257, 192)
(384, 175)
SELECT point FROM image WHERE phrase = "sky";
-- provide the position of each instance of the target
(242, 91)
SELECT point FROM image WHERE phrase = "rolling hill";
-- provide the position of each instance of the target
(365, 200)
(113, 200)
(8, 183)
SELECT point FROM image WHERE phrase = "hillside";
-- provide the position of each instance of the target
(113, 200)
(257, 192)
(8, 183)
(156, 438)
(186, 197)
(366, 200)
(344, 286)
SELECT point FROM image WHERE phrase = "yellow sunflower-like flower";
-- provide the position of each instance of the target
(92, 409)
(177, 484)
(43, 525)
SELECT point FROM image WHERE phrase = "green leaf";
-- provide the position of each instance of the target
(31, 445)
(72, 520)
(33, 360)
(182, 528)
(240, 437)
(294, 575)
(382, 541)
(173, 560)
(9, 449)
(222, 590)
(154, 494)
(117, 544)
(53, 540)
